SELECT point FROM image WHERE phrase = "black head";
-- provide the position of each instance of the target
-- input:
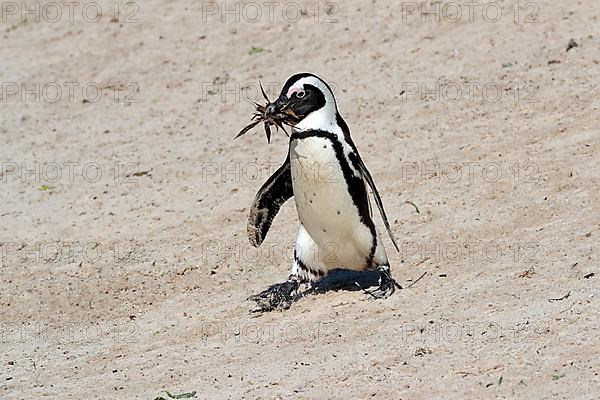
(304, 94)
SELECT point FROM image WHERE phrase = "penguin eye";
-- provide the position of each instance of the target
(300, 94)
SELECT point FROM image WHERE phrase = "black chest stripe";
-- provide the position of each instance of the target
(360, 165)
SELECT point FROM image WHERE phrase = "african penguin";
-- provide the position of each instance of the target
(327, 178)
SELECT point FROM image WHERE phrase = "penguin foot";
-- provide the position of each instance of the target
(279, 296)
(387, 284)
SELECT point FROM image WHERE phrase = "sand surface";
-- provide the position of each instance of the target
(125, 264)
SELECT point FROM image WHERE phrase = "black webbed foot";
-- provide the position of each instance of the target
(279, 296)
(387, 284)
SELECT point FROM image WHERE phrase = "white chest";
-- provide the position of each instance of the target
(325, 206)
(320, 190)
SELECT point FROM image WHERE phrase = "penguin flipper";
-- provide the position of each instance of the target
(269, 199)
(367, 175)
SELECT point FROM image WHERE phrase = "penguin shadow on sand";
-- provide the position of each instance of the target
(344, 279)
(281, 296)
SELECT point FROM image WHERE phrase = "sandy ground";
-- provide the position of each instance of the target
(125, 262)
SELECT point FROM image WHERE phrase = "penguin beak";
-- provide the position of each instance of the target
(282, 110)
(274, 109)
(278, 113)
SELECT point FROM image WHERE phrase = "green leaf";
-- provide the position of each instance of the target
(414, 205)
(182, 395)
(256, 50)
(45, 188)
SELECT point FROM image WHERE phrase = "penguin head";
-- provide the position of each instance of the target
(311, 100)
